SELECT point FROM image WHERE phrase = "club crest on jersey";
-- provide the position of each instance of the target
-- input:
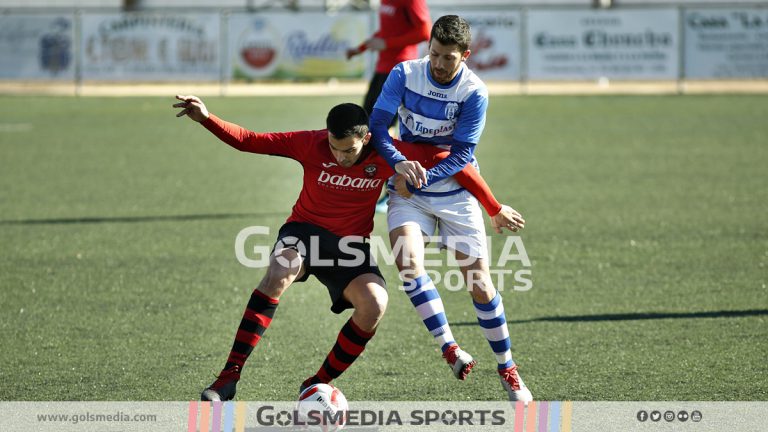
(451, 109)
(370, 170)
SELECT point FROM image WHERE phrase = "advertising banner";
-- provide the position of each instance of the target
(172, 47)
(37, 47)
(726, 43)
(286, 45)
(591, 44)
(496, 43)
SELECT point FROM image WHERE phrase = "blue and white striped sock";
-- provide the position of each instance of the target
(494, 325)
(429, 305)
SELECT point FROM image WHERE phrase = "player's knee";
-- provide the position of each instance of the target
(373, 307)
(410, 267)
(278, 278)
(407, 246)
(379, 304)
(481, 287)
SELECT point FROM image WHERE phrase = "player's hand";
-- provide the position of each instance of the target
(192, 107)
(353, 52)
(507, 218)
(401, 187)
(376, 44)
(413, 172)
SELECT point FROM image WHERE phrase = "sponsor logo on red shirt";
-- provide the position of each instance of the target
(345, 182)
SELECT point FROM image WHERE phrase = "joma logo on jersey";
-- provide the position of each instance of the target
(347, 181)
(438, 95)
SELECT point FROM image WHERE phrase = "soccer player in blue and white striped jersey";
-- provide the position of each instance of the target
(440, 101)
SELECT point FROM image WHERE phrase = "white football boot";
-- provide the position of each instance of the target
(460, 361)
(514, 385)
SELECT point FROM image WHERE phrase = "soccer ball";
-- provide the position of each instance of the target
(322, 407)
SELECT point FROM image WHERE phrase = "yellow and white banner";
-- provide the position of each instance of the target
(291, 45)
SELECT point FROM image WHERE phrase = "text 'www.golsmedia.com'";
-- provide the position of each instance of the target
(117, 417)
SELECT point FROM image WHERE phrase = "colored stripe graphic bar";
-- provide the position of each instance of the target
(229, 416)
(543, 416)
(192, 419)
(554, 417)
(205, 416)
(519, 416)
(216, 421)
(240, 417)
(567, 412)
(530, 417)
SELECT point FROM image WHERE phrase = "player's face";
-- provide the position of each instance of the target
(347, 150)
(444, 61)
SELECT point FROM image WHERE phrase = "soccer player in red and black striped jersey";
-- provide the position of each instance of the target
(343, 177)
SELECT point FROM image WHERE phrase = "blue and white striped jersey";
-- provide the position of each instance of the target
(433, 113)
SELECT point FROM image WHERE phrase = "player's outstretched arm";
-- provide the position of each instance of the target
(232, 134)
(192, 107)
(288, 144)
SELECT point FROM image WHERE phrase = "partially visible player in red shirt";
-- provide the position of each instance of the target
(403, 24)
(343, 176)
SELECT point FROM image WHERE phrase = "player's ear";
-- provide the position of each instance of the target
(465, 55)
(366, 138)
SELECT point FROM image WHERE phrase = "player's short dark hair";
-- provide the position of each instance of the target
(452, 30)
(346, 120)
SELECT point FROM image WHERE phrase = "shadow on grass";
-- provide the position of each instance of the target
(636, 316)
(138, 219)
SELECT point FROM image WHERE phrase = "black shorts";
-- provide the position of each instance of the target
(337, 276)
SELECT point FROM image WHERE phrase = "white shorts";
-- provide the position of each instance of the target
(458, 219)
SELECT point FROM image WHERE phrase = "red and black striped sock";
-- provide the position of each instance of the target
(257, 317)
(349, 345)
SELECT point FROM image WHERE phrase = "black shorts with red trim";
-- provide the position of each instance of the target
(335, 261)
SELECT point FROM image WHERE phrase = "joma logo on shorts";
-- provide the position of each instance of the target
(347, 181)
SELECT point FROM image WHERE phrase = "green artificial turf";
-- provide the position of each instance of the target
(646, 228)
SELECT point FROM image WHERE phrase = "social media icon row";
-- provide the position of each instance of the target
(682, 416)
